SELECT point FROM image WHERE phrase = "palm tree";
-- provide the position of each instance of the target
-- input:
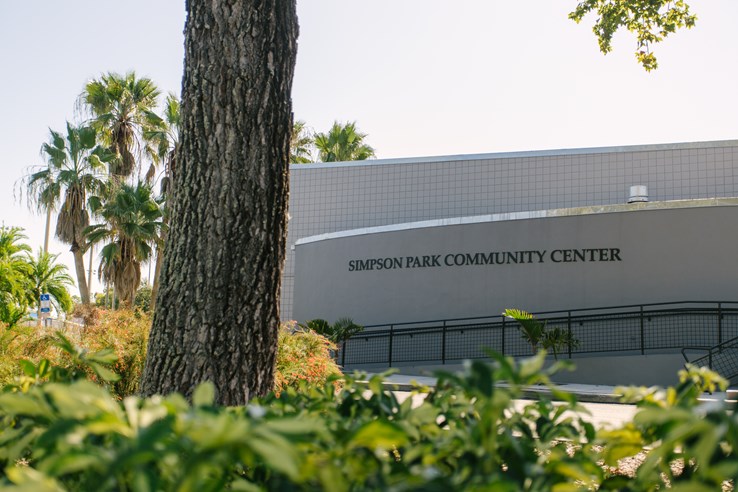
(301, 142)
(343, 143)
(43, 194)
(75, 167)
(165, 139)
(122, 107)
(14, 270)
(132, 226)
(48, 277)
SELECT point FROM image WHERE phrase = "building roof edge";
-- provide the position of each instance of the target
(519, 154)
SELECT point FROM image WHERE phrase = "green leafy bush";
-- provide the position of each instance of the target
(142, 300)
(303, 357)
(338, 332)
(465, 435)
(123, 332)
(539, 335)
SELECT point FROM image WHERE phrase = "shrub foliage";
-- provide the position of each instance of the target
(303, 356)
(465, 435)
(124, 333)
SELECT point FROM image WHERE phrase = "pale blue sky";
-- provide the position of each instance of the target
(421, 77)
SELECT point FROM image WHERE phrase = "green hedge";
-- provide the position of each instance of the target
(466, 435)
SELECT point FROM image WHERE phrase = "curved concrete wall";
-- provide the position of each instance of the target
(325, 198)
(565, 259)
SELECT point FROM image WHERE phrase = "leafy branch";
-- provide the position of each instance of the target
(652, 21)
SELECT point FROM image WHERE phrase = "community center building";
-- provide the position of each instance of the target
(420, 247)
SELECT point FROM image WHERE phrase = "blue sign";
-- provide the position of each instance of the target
(45, 297)
(45, 310)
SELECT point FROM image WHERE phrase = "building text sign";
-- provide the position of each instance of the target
(490, 258)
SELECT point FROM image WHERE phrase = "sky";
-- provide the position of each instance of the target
(420, 77)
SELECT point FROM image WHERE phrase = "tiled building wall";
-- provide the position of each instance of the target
(335, 197)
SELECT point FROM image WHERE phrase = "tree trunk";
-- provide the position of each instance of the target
(157, 275)
(217, 313)
(89, 272)
(48, 230)
(79, 267)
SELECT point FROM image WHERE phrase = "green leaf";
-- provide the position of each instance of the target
(28, 368)
(44, 367)
(104, 373)
(71, 462)
(204, 395)
(22, 404)
(104, 356)
(706, 446)
(87, 136)
(242, 485)
(378, 434)
(480, 378)
(617, 482)
(296, 426)
(28, 479)
(691, 486)
(277, 453)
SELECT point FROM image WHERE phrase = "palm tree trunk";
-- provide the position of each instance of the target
(79, 266)
(48, 230)
(217, 314)
(89, 271)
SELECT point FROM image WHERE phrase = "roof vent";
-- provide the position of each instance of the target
(638, 193)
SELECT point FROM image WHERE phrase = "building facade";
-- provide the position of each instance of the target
(550, 230)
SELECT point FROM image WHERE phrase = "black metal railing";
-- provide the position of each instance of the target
(638, 329)
(722, 358)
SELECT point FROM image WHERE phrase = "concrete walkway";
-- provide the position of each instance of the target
(600, 402)
(584, 392)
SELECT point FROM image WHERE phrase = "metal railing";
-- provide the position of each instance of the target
(722, 358)
(637, 329)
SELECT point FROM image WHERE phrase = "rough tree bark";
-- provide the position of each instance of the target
(217, 311)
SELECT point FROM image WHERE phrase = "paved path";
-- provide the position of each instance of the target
(600, 401)
(602, 414)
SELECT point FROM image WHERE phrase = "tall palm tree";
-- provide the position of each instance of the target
(75, 167)
(132, 226)
(343, 143)
(43, 194)
(165, 139)
(122, 108)
(301, 142)
(14, 270)
(48, 277)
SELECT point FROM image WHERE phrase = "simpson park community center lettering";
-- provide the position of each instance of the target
(490, 258)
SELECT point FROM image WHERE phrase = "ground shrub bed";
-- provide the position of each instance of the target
(65, 425)
(123, 332)
(466, 435)
(303, 357)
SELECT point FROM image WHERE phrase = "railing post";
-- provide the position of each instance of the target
(643, 348)
(568, 330)
(503, 335)
(443, 343)
(720, 323)
(391, 336)
(343, 354)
